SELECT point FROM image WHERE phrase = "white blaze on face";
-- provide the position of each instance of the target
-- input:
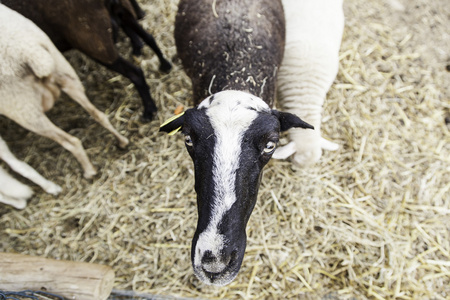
(231, 113)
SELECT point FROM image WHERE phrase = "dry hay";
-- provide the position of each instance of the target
(370, 221)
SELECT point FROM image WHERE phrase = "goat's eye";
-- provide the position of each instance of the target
(270, 147)
(188, 140)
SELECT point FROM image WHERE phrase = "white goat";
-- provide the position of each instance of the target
(14, 192)
(32, 74)
(310, 64)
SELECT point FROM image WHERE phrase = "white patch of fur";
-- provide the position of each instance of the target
(230, 113)
(310, 64)
(233, 98)
(12, 191)
(209, 241)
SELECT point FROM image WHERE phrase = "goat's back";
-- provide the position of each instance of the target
(85, 25)
(21, 41)
(31, 68)
(231, 44)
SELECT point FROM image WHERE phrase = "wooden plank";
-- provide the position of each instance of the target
(73, 280)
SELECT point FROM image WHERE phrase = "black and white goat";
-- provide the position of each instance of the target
(231, 50)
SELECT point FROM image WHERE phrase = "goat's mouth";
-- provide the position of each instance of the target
(219, 274)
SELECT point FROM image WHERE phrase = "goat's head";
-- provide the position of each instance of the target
(230, 136)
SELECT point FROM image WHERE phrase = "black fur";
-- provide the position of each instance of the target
(288, 121)
(240, 49)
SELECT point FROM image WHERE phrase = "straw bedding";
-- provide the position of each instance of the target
(369, 221)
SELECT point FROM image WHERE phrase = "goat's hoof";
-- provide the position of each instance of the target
(165, 66)
(89, 174)
(147, 117)
(19, 204)
(53, 188)
(123, 142)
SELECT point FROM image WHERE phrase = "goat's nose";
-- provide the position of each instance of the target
(214, 264)
(208, 257)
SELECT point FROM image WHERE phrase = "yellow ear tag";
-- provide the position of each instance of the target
(170, 120)
(174, 131)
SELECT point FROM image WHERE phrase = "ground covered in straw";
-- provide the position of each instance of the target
(370, 221)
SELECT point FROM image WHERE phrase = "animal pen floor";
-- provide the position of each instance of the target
(370, 221)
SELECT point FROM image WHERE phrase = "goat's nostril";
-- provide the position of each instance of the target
(234, 255)
(230, 258)
(208, 257)
(226, 259)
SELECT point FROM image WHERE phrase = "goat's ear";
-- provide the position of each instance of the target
(288, 121)
(173, 125)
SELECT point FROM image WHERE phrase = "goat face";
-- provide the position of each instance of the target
(230, 136)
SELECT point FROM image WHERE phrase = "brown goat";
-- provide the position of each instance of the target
(91, 26)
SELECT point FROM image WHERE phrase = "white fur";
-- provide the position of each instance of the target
(231, 113)
(310, 64)
(209, 240)
(13, 192)
(26, 171)
(32, 74)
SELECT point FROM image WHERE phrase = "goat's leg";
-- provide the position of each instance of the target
(13, 188)
(12, 191)
(137, 9)
(136, 42)
(101, 48)
(18, 203)
(26, 171)
(136, 76)
(131, 24)
(41, 125)
(76, 91)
